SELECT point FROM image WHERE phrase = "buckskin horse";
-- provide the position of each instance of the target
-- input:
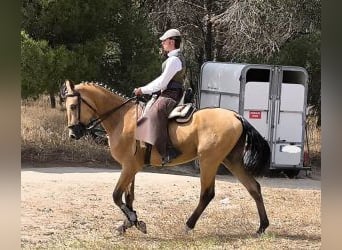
(213, 136)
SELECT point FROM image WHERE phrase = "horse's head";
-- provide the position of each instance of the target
(79, 111)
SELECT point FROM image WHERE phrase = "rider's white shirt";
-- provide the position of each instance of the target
(172, 65)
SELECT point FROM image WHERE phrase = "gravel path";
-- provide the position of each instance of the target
(72, 207)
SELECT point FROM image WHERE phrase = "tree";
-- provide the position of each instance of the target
(131, 58)
(107, 41)
(64, 39)
(32, 53)
(116, 41)
(44, 68)
(305, 51)
(250, 31)
(69, 22)
(41, 67)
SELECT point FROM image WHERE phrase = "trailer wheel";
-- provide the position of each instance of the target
(195, 164)
(222, 170)
(291, 173)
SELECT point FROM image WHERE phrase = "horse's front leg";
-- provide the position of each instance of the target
(129, 198)
(126, 185)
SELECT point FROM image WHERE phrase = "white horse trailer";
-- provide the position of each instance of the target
(272, 98)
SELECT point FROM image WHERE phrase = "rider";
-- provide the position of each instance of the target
(168, 91)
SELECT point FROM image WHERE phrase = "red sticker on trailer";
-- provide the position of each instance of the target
(254, 114)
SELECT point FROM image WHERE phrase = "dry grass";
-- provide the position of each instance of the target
(44, 137)
(314, 138)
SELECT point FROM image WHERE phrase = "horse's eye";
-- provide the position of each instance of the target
(73, 106)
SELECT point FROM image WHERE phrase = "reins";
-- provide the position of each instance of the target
(105, 115)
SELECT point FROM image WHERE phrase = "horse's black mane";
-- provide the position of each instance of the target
(105, 86)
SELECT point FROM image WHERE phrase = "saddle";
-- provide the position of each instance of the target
(182, 113)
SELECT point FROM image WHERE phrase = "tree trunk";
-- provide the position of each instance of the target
(52, 100)
(208, 42)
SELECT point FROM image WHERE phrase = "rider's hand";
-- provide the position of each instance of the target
(137, 91)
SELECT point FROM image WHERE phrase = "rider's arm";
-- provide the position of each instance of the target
(173, 65)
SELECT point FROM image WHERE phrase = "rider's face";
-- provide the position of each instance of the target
(168, 44)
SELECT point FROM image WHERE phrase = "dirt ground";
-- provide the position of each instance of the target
(72, 208)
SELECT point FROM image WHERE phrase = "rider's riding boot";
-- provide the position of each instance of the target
(171, 154)
(148, 148)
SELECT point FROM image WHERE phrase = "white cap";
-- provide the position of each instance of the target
(170, 33)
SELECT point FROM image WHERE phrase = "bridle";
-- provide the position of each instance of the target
(80, 128)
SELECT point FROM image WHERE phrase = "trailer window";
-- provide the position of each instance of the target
(292, 76)
(258, 75)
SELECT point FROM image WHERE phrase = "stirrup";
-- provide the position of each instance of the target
(172, 154)
(148, 149)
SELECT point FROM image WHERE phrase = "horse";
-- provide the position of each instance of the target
(214, 136)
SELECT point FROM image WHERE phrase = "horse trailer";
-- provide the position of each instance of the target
(271, 97)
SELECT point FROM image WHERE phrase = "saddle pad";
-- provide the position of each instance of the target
(182, 113)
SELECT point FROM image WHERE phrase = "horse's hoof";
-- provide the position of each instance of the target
(121, 230)
(187, 230)
(127, 224)
(141, 226)
(260, 232)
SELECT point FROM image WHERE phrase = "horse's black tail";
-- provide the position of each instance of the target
(257, 153)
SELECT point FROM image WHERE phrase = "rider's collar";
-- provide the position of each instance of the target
(173, 52)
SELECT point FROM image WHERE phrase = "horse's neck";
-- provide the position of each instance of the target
(107, 101)
(120, 128)
(115, 121)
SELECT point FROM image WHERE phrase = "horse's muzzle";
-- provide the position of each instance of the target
(77, 131)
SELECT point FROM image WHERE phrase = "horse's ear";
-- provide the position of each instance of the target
(69, 86)
(66, 88)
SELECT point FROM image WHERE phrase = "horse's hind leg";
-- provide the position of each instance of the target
(208, 173)
(235, 166)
